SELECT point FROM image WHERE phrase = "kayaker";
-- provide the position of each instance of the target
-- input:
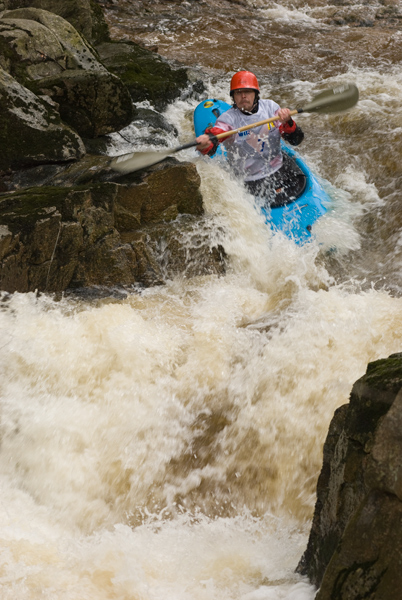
(255, 155)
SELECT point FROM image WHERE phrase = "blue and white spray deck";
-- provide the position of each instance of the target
(295, 219)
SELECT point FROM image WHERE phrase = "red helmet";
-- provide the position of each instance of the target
(244, 80)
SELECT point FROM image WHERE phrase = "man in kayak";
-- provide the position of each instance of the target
(255, 154)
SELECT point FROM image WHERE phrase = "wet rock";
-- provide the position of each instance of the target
(367, 563)
(93, 104)
(31, 131)
(104, 233)
(148, 128)
(354, 549)
(147, 75)
(183, 247)
(90, 169)
(85, 16)
(66, 219)
(47, 55)
(161, 196)
(62, 236)
(154, 121)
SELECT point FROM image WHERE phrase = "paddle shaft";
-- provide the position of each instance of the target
(246, 127)
(164, 154)
(225, 134)
(338, 99)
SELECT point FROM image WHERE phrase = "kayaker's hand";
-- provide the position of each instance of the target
(204, 141)
(284, 115)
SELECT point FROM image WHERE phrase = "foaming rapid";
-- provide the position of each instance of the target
(167, 444)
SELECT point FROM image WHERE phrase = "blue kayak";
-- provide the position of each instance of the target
(296, 217)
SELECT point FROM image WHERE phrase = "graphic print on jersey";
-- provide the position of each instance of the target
(258, 140)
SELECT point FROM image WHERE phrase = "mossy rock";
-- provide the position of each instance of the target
(86, 16)
(93, 103)
(31, 131)
(372, 396)
(385, 374)
(46, 54)
(21, 211)
(146, 74)
(362, 454)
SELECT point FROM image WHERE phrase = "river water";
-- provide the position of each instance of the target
(166, 444)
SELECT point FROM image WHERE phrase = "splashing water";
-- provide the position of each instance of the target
(167, 444)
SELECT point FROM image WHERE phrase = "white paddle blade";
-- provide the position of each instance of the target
(128, 163)
(337, 99)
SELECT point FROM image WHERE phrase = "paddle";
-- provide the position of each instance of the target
(337, 99)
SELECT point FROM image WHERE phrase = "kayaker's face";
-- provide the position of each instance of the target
(244, 99)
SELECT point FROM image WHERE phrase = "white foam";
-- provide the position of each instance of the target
(168, 445)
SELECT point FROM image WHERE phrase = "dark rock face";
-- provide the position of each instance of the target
(355, 548)
(85, 16)
(43, 52)
(94, 104)
(31, 129)
(147, 75)
(67, 220)
(105, 233)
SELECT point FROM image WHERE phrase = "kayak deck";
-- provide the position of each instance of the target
(297, 218)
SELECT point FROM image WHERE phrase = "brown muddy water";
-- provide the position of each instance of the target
(166, 444)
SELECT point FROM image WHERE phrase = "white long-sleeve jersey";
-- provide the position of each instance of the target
(255, 153)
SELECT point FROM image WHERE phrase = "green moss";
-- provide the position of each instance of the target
(385, 374)
(20, 211)
(146, 74)
(10, 57)
(100, 29)
(372, 396)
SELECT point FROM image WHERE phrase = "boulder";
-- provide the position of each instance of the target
(161, 196)
(146, 74)
(31, 131)
(355, 549)
(37, 43)
(85, 16)
(140, 229)
(66, 220)
(47, 55)
(93, 103)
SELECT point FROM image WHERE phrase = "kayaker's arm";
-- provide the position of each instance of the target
(208, 143)
(291, 132)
